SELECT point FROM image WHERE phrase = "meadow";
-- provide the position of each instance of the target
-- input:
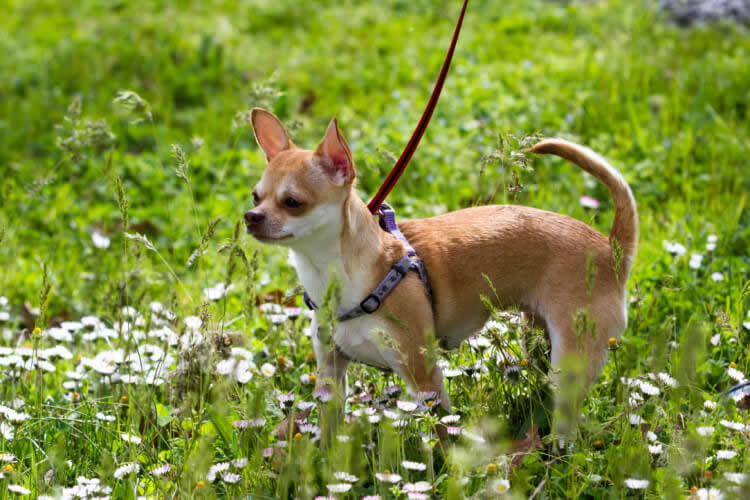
(149, 348)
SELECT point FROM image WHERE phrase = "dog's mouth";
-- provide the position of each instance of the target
(264, 238)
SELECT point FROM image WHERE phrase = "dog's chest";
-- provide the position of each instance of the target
(365, 340)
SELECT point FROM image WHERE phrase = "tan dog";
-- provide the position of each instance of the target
(535, 260)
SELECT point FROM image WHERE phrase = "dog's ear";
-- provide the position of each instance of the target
(269, 132)
(335, 156)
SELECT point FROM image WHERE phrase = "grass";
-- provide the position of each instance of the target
(668, 106)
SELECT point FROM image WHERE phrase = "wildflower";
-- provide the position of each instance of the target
(7, 431)
(736, 478)
(413, 465)
(419, 487)
(345, 476)
(450, 419)
(491, 468)
(715, 339)
(8, 457)
(8, 469)
(130, 438)
(649, 389)
(268, 369)
(737, 426)
(452, 372)
(710, 405)
(655, 449)
(651, 436)
(635, 419)
(230, 477)
(387, 477)
(160, 470)
(239, 462)
(215, 469)
(200, 484)
(637, 484)
(217, 292)
(726, 454)
(735, 374)
(193, 322)
(322, 395)
(15, 488)
(286, 400)
(695, 261)
(126, 470)
(711, 245)
(705, 431)
(612, 343)
(589, 202)
(339, 487)
(717, 276)
(709, 494)
(674, 248)
(666, 379)
(501, 486)
(100, 241)
(406, 406)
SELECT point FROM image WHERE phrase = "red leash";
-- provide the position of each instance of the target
(406, 155)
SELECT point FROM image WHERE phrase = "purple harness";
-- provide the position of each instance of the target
(371, 303)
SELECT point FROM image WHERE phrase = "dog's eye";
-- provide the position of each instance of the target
(256, 198)
(292, 203)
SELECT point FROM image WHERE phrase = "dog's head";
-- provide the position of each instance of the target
(300, 190)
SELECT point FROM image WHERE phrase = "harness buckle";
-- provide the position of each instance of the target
(366, 304)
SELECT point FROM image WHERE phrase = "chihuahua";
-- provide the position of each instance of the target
(537, 261)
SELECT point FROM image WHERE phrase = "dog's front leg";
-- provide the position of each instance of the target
(331, 378)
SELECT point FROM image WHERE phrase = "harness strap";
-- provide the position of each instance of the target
(371, 303)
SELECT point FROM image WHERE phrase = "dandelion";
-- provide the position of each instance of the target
(637, 484)
(126, 470)
(413, 465)
(726, 454)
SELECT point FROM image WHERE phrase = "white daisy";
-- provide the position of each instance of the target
(126, 470)
(413, 465)
(637, 484)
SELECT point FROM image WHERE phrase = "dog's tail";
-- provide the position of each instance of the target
(624, 233)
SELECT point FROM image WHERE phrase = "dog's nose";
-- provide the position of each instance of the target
(254, 217)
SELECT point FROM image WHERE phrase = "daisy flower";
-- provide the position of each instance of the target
(500, 486)
(413, 465)
(637, 484)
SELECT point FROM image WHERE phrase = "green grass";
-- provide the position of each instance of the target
(668, 106)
